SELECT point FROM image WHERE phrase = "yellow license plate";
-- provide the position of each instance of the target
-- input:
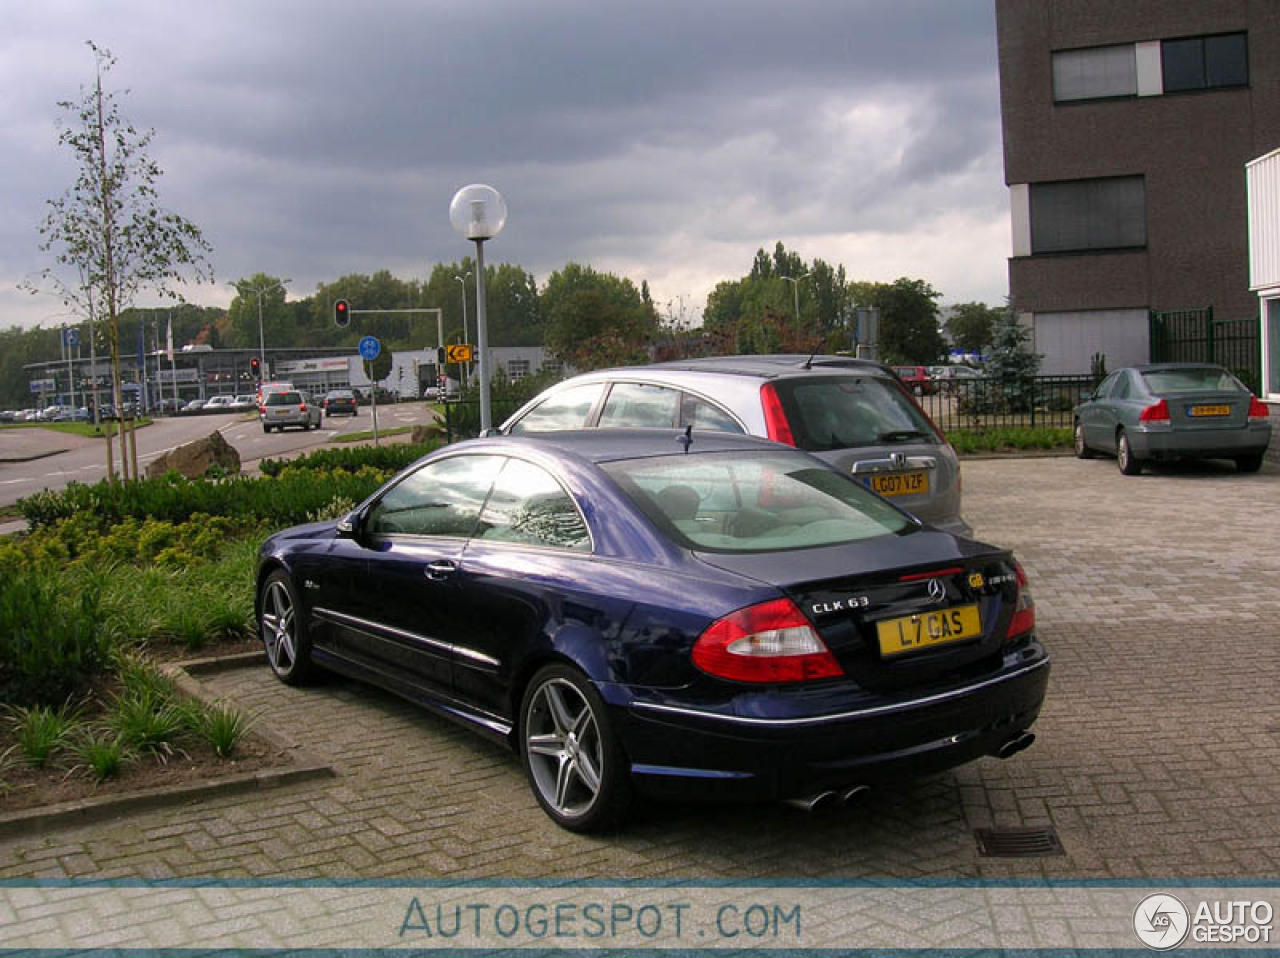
(899, 483)
(1198, 411)
(910, 633)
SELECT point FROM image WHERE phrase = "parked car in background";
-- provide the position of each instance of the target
(853, 413)
(221, 403)
(291, 408)
(1164, 411)
(916, 378)
(193, 407)
(244, 402)
(169, 406)
(340, 402)
(710, 616)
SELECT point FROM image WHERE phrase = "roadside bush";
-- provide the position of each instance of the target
(390, 458)
(52, 641)
(281, 501)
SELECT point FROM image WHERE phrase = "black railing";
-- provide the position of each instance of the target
(1194, 336)
(979, 404)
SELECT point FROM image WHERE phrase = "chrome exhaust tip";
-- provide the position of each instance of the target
(1015, 745)
(853, 793)
(811, 803)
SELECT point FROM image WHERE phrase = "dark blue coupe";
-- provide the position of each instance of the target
(702, 615)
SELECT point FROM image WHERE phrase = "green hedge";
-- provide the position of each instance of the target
(391, 458)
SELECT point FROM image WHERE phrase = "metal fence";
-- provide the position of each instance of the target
(1194, 336)
(462, 416)
(980, 404)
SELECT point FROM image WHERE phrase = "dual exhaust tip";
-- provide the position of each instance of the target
(830, 798)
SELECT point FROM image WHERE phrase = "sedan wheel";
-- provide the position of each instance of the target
(1129, 464)
(1249, 463)
(576, 769)
(282, 630)
(1082, 450)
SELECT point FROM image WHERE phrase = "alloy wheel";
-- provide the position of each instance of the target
(279, 627)
(564, 746)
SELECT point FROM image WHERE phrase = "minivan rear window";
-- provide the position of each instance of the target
(842, 412)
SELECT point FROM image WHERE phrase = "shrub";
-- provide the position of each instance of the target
(1010, 437)
(51, 641)
(101, 753)
(390, 458)
(40, 732)
(221, 727)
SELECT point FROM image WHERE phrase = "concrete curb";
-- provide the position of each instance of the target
(304, 766)
(34, 456)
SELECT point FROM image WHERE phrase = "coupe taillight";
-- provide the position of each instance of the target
(1258, 411)
(1024, 608)
(1157, 413)
(768, 642)
(775, 418)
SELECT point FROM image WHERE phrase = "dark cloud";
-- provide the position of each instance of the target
(314, 139)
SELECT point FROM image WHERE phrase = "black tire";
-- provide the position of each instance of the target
(1082, 449)
(576, 769)
(266, 429)
(1249, 463)
(1129, 464)
(283, 630)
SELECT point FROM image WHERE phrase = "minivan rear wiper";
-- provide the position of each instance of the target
(902, 435)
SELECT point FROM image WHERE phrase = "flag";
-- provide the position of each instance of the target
(168, 342)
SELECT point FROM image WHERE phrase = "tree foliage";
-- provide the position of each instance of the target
(972, 326)
(909, 322)
(596, 319)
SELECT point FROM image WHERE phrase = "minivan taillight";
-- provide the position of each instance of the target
(768, 642)
(1258, 410)
(775, 419)
(1024, 608)
(1157, 413)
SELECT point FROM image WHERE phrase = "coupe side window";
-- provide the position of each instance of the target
(529, 507)
(566, 409)
(443, 498)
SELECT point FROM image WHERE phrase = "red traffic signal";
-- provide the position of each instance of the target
(341, 313)
(255, 367)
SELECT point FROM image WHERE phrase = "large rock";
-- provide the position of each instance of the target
(194, 459)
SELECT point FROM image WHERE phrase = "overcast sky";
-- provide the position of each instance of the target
(657, 140)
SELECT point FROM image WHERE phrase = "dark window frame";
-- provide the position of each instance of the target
(1039, 246)
(1204, 85)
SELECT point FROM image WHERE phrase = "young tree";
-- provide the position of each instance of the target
(909, 322)
(109, 228)
(972, 326)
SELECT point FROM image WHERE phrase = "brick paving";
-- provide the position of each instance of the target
(1158, 752)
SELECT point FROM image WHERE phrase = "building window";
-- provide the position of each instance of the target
(553, 367)
(1083, 215)
(1205, 63)
(1095, 73)
(518, 369)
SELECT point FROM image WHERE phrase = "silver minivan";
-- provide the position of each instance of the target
(853, 413)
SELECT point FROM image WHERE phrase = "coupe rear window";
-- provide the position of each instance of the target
(724, 502)
(1161, 381)
(847, 411)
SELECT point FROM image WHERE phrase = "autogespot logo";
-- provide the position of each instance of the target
(1161, 921)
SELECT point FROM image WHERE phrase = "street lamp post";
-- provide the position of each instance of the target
(243, 288)
(795, 291)
(465, 337)
(479, 212)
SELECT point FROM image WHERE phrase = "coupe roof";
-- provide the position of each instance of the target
(606, 445)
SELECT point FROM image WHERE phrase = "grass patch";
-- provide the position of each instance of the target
(362, 436)
(40, 732)
(86, 429)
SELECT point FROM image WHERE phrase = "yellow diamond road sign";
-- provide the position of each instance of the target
(458, 353)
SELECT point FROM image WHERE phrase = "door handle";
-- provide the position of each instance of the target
(440, 569)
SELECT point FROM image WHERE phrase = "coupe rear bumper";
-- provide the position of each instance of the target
(686, 752)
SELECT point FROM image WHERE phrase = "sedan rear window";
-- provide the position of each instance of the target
(723, 502)
(284, 399)
(1161, 381)
(848, 411)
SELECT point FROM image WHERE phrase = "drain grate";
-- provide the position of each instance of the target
(1018, 842)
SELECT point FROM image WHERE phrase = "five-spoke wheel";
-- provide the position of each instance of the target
(578, 773)
(282, 630)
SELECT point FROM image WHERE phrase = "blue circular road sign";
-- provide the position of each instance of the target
(370, 347)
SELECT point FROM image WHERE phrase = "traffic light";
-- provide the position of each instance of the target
(255, 367)
(341, 313)
(440, 356)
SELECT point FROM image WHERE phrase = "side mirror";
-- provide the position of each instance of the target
(349, 525)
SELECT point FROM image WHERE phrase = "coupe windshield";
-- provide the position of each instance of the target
(727, 502)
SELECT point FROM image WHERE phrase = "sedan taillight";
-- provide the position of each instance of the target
(768, 642)
(302, 407)
(1024, 608)
(1157, 413)
(1258, 410)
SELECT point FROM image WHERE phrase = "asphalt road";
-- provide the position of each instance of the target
(36, 459)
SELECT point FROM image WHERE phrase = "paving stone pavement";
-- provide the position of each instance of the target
(1158, 752)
